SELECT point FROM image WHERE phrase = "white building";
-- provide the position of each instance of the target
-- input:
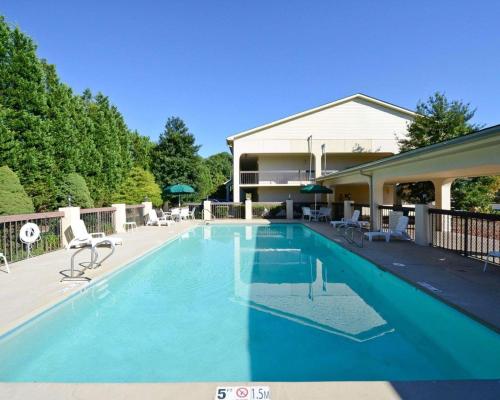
(272, 161)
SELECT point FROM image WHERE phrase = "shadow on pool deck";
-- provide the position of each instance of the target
(460, 281)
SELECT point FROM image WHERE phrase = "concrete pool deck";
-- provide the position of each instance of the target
(33, 286)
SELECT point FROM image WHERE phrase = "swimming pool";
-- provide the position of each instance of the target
(259, 303)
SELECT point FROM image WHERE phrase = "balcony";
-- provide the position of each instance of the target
(290, 177)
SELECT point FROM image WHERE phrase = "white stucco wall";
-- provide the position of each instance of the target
(355, 124)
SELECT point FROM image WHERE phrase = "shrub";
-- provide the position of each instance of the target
(75, 186)
(13, 197)
(138, 185)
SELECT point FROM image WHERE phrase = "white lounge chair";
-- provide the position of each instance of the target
(398, 232)
(153, 219)
(184, 213)
(81, 237)
(306, 213)
(2, 256)
(490, 254)
(325, 213)
(192, 213)
(353, 221)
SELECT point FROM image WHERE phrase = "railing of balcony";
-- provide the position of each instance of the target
(276, 177)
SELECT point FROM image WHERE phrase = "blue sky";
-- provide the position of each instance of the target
(226, 66)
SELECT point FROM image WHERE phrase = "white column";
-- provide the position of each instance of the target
(289, 209)
(248, 209)
(442, 193)
(236, 177)
(120, 217)
(376, 199)
(422, 231)
(148, 206)
(442, 190)
(207, 210)
(348, 208)
(71, 215)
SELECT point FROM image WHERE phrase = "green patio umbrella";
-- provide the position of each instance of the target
(315, 189)
(179, 189)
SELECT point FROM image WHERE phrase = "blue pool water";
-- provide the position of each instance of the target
(238, 303)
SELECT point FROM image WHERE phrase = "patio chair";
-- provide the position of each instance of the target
(353, 221)
(492, 254)
(398, 232)
(306, 213)
(175, 214)
(2, 256)
(153, 219)
(192, 213)
(184, 213)
(325, 213)
(81, 237)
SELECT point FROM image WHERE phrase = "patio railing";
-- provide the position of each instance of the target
(384, 212)
(276, 177)
(468, 233)
(227, 210)
(135, 213)
(49, 224)
(99, 219)
(269, 210)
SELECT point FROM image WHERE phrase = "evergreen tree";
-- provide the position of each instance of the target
(13, 197)
(437, 120)
(176, 158)
(74, 185)
(139, 184)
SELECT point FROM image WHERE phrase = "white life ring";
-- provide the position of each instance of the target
(29, 233)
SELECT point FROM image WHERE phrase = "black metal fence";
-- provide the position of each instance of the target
(135, 213)
(468, 233)
(49, 224)
(99, 219)
(384, 212)
(227, 210)
(269, 210)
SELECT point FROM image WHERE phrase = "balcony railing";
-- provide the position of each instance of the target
(276, 177)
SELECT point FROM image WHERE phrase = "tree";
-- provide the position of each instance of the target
(437, 120)
(220, 166)
(176, 158)
(141, 148)
(74, 185)
(13, 197)
(138, 185)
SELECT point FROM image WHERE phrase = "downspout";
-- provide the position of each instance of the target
(372, 205)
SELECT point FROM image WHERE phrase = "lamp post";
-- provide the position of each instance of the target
(69, 200)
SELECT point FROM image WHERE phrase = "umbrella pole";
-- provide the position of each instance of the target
(179, 200)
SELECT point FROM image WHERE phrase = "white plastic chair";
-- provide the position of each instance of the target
(81, 237)
(306, 213)
(184, 213)
(324, 212)
(353, 221)
(398, 232)
(2, 256)
(153, 219)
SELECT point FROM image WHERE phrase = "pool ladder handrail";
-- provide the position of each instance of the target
(350, 239)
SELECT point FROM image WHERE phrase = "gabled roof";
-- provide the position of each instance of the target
(321, 108)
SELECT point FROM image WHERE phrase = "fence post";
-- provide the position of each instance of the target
(207, 210)
(71, 215)
(120, 217)
(248, 209)
(148, 206)
(289, 209)
(348, 208)
(422, 231)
